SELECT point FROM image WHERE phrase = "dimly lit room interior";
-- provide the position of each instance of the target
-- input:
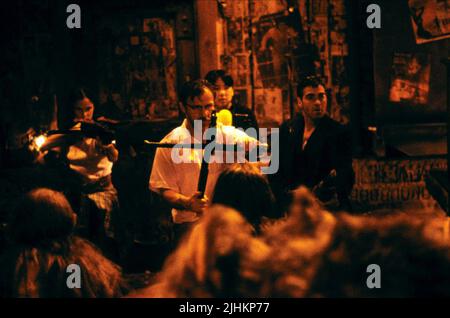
(351, 95)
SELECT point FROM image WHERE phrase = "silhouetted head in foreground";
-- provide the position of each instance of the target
(218, 258)
(316, 254)
(407, 262)
(244, 188)
(42, 247)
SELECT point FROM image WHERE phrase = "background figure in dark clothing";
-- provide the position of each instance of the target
(225, 99)
(315, 150)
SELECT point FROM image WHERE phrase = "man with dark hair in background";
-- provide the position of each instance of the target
(315, 150)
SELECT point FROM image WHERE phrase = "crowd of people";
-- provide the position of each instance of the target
(241, 234)
(308, 252)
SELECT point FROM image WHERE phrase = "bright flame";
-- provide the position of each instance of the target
(39, 141)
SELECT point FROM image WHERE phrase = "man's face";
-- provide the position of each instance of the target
(199, 108)
(84, 110)
(224, 95)
(313, 104)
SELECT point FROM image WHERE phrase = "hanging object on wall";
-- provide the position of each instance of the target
(268, 105)
(430, 19)
(410, 78)
(139, 75)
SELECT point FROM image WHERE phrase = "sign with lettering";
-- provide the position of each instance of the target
(393, 181)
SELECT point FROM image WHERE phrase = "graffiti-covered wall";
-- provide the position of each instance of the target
(138, 69)
(269, 44)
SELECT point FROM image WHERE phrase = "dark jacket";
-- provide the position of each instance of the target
(243, 117)
(328, 148)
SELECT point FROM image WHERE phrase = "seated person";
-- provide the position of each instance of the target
(225, 99)
(89, 161)
(315, 150)
(42, 246)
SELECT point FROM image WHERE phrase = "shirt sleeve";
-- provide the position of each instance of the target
(163, 175)
(240, 137)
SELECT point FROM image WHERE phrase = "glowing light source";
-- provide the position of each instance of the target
(39, 141)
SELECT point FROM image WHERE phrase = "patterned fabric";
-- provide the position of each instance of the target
(97, 207)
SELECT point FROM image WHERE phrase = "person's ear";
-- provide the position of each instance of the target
(299, 103)
(231, 91)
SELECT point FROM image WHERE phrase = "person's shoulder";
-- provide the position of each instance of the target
(176, 135)
(239, 109)
(290, 124)
(333, 125)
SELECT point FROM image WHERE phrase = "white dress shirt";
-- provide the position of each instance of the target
(182, 177)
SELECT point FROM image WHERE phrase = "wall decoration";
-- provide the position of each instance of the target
(410, 78)
(283, 45)
(269, 105)
(430, 19)
(140, 68)
(392, 182)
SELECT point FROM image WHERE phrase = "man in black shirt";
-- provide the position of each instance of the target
(315, 150)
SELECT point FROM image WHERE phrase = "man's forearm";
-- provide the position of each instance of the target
(112, 153)
(176, 199)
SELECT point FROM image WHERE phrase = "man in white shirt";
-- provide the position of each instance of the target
(177, 181)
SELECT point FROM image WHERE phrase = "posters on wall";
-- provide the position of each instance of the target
(275, 43)
(410, 78)
(268, 41)
(319, 36)
(269, 105)
(430, 19)
(280, 37)
(240, 71)
(139, 68)
(237, 35)
(261, 8)
(271, 46)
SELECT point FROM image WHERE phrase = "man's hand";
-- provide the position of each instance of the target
(111, 152)
(108, 150)
(194, 203)
(197, 203)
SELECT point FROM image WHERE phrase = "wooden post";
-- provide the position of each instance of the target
(207, 14)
